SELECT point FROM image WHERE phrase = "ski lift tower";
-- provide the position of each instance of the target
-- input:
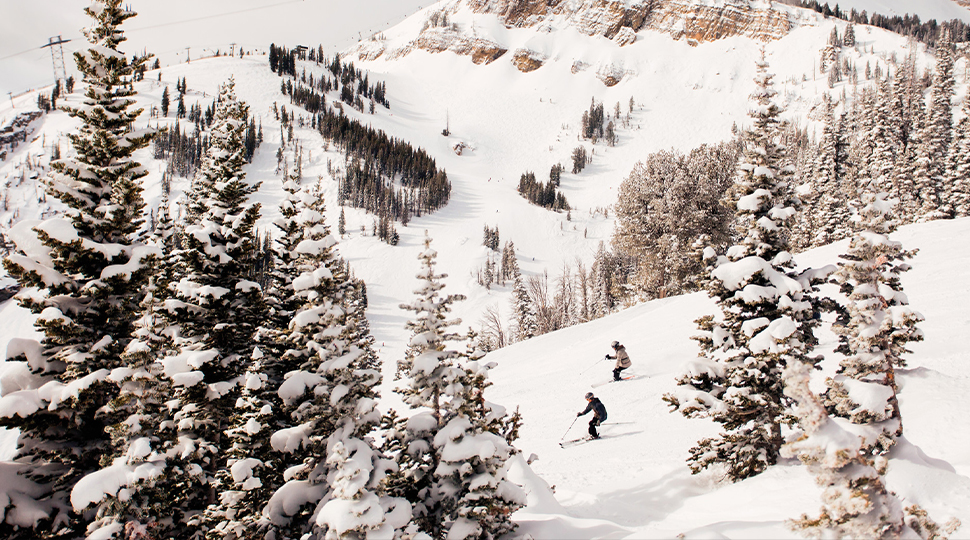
(57, 57)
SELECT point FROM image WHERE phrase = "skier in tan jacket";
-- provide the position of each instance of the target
(622, 359)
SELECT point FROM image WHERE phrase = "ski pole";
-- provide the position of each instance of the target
(591, 367)
(567, 429)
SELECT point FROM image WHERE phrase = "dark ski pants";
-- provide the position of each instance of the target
(592, 427)
(616, 373)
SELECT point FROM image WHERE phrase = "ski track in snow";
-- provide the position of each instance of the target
(633, 483)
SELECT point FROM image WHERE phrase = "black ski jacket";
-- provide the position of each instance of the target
(595, 405)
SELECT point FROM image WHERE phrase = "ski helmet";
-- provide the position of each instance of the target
(616, 344)
(589, 396)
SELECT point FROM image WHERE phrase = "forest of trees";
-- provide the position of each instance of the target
(541, 304)
(183, 148)
(889, 136)
(752, 373)
(908, 25)
(385, 176)
(172, 395)
(546, 195)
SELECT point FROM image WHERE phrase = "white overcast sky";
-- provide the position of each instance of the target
(166, 27)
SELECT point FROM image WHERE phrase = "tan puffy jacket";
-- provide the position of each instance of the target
(622, 358)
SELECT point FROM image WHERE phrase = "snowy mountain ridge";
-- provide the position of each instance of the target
(468, 27)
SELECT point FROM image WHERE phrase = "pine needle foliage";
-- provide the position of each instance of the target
(89, 269)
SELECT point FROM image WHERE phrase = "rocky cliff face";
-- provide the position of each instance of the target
(699, 20)
(618, 20)
(710, 21)
(591, 17)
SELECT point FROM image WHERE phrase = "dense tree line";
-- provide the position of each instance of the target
(183, 149)
(541, 304)
(542, 194)
(752, 374)
(381, 159)
(353, 84)
(898, 134)
(376, 162)
(908, 25)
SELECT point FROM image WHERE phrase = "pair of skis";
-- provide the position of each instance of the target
(586, 439)
(579, 441)
(621, 379)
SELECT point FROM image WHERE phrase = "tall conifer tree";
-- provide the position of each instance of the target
(214, 311)
(88, 268)
(880, 325)
(766, 308)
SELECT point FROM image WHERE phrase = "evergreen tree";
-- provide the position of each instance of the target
(602, 273)
(767, 311)
(938, 134)
(848, 39)
(457, 490)
(475, 446)
(830, 212)
(856, 503)
(525, 323)
(885, 137)
(430, 368)
(880, 324)
(166, 101)
(958, 177)
(666, 203)
(214, 313)
(90, 272)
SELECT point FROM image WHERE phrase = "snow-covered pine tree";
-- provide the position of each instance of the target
(475, 445)
(958, 173)
(88, 270)
(453, 451)
(323, 392)
(602, 295)
(827, 207)
(936, 136)
(255, 471)
(848, 39)
(856, 503)
(525, 322)
(880, 325)
(885, 136)
(141, 408)
(767, 312)
(430, 369)
(214, 312)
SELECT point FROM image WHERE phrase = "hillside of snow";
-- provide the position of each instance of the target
(634, 483)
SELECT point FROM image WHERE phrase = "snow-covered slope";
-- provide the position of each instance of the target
(635, 483)
(686, 94)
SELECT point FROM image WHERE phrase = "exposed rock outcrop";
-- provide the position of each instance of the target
(625, 36)
(703, 22)
(526, 60)
(591, 17)
(696, 21)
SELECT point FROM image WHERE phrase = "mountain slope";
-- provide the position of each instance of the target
(636, 476)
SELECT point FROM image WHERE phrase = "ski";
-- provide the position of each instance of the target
(577, 442)
(627, 378)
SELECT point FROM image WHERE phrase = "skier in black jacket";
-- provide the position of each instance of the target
(599, 413)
